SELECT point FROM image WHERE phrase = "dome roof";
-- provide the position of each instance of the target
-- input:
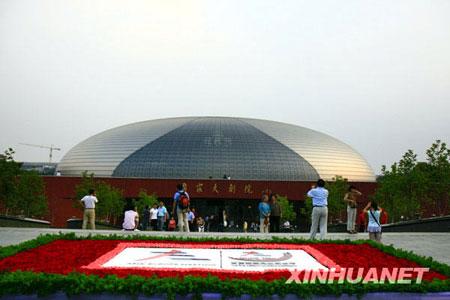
(209, 147)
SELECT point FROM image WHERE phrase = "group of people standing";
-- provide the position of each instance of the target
(188, 218)
(183, 217)
(156, 217)
(319, 215)
(269, 214)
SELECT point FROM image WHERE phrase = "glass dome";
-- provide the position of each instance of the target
(211, 147)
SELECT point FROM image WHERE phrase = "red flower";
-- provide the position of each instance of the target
(66, 256)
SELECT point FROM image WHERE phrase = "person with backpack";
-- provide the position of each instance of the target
(181, 202)
(374, 226)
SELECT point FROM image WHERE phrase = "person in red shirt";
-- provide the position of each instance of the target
(384, 217)
(172, 224)
(362, 222)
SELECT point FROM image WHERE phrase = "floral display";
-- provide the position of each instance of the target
(64, 256)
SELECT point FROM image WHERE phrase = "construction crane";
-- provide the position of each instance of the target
(51, 148)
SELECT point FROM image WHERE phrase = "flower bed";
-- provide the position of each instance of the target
(79, 265)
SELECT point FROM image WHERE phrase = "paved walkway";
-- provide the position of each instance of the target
(436, 245)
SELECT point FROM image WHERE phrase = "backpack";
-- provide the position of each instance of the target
(172, 225)
(183, 201)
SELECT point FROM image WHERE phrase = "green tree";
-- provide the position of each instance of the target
(110, 204)
(87, 183)
(409, 187)
(438, 158)
(287, 209)
(305, 214)
(146, 199)
(31, 195)
(336, 204)
(21, 192)
(9, 172)
(398, 190)
(110, 199)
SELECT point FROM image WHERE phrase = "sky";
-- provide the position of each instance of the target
(373, 74)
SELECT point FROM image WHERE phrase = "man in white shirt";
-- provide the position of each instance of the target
(88, 203)
(319, 215)
(130, 220)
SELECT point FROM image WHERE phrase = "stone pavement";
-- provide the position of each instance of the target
(436, 245)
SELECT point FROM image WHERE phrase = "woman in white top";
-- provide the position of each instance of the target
(154, 217)
(374, 227)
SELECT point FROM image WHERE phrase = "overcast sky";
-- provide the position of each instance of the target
(374, 74)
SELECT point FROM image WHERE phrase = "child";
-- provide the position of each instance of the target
(172, 224)
(245, 226)
(200, 224)
(373, 215)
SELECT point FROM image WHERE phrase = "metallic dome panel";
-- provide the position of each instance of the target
(102, 153)
(329, 156)
(211, 147)
(199, 147)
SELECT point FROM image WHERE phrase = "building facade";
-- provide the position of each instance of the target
(226, 163)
